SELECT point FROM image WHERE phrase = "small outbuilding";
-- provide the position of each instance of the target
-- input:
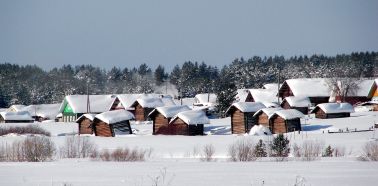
(85, 123)
(161, 116)
(143, 106)
(112, 123)
(16, 117)
(261, 117)
(242, 116)
(189, 122)
(333, 110)
(283, 121)
(297, 102)
(372, 105)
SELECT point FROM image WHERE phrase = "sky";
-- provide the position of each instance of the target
(125, 33)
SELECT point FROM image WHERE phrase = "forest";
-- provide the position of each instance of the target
(31, 84)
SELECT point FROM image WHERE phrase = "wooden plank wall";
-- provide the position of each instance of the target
(320, 114)
(158, 122)
(177, 127)
(237, 122)
(102, 129)
(279, 125)
(85, 126)
(139, 113)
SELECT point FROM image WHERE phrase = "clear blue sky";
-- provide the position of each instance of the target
(125, 33)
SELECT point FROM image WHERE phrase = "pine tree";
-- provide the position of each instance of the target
(160, 75)
(328, 152)
(280, 146)
(260, 149)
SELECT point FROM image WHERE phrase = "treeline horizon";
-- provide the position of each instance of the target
(30, 84)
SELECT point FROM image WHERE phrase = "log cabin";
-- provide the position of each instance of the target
(16, 117)
(161, 116)
(42, 112)
(332, 110)
(112, 123)
(299, 103)
(264, 95)
(261, 117)
(188, 123)
(144, 106)
(85, 123)
(73, 106)
(283, 121)
(242, 116)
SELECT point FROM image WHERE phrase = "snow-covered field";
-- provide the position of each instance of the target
(178, 155)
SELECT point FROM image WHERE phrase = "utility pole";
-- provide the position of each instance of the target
(88, 104)
(278, 84)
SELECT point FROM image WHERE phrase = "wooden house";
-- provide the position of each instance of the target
(283, 121)
(299, 103)
(333, 110)
(42, 112)
(143, 106)
(73, 106)
(261, 117)
(16, 117)
(189, 123)
(355, 96)
(125, 101)
(373, 92)
(161, 116)
(85, 123)
(316, 89)
(112, 123)
(242, 116)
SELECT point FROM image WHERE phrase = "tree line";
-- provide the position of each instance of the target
(31, 84)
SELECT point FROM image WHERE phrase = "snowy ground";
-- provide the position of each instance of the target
(179, 156)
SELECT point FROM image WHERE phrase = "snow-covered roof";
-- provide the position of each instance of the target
(168, 101)
(298, 101)
(89, 116)
(128, 99)
(115, 116)
(309, 87)
(267, 111)
(149, 102)
(18, 116)
(241, 95)
(264, 95)
(16, 108)
(43, 110)
(363, 90)
(247, 106)
(330, 108)
(272, 86)
(171, 111)
(270, 104)
(287, 114)
(192, 117)
(78, 103)
(206, 98)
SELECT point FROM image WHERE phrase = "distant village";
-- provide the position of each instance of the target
(278, 107)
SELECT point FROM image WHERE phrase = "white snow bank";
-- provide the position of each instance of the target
(115, 116)
(193, 117)
(259, 130)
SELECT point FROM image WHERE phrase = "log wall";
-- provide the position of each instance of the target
(102, 129)
(139, 113)
(85, 126)
(159, 121)
(279, 125)
(237, 122)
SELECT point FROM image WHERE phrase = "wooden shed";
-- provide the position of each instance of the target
(283, 121)
(333, 110)
(373, 105)
(242, 116)
(143, 106)
(161, 116)
(16, 117)
(261, 117)
(189, 123)
(296, 102)
(85, 123)
(112, 123)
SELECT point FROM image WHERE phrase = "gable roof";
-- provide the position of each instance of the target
(330, 108)
(88, 116)
(271, 86)
(43, 110)
(287, 114)
(264, 95)
(298, 101)
(127, 100)
(309, 87)
(241, 95)
(17, 116)
(192, 117)
(247, 106)
(149, 102)
(364, 87)
(78, 103)
(267, 111)
(170, 111)
(16, 108)
(206, 98)
(114, 116)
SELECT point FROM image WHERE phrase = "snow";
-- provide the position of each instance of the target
(78, 103)
(88, 116)
(288, 114)
(298, 101)
(330, 108)
(271, 86)
(16, 108)
(305, 87)
(242, 95)
(247, 106)
(115, 116)
(364, 87)
(171, 111)
(268, 111)
(48, 111)
(128, 99)
(192, 117)
(259, 130)
(206, 99)
(264, 95)
(270, 105)
(20, 115)
(149, 102)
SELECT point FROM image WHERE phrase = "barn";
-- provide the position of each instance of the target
(161, 116)
(283, 121)
(112, 123)
(189, 123)
(143, 106)
(333, 110)
(16, 117)
(316, 89)
(299, 103)
(242, 116)
(261, 117)
(85, 123)
(73, 106)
